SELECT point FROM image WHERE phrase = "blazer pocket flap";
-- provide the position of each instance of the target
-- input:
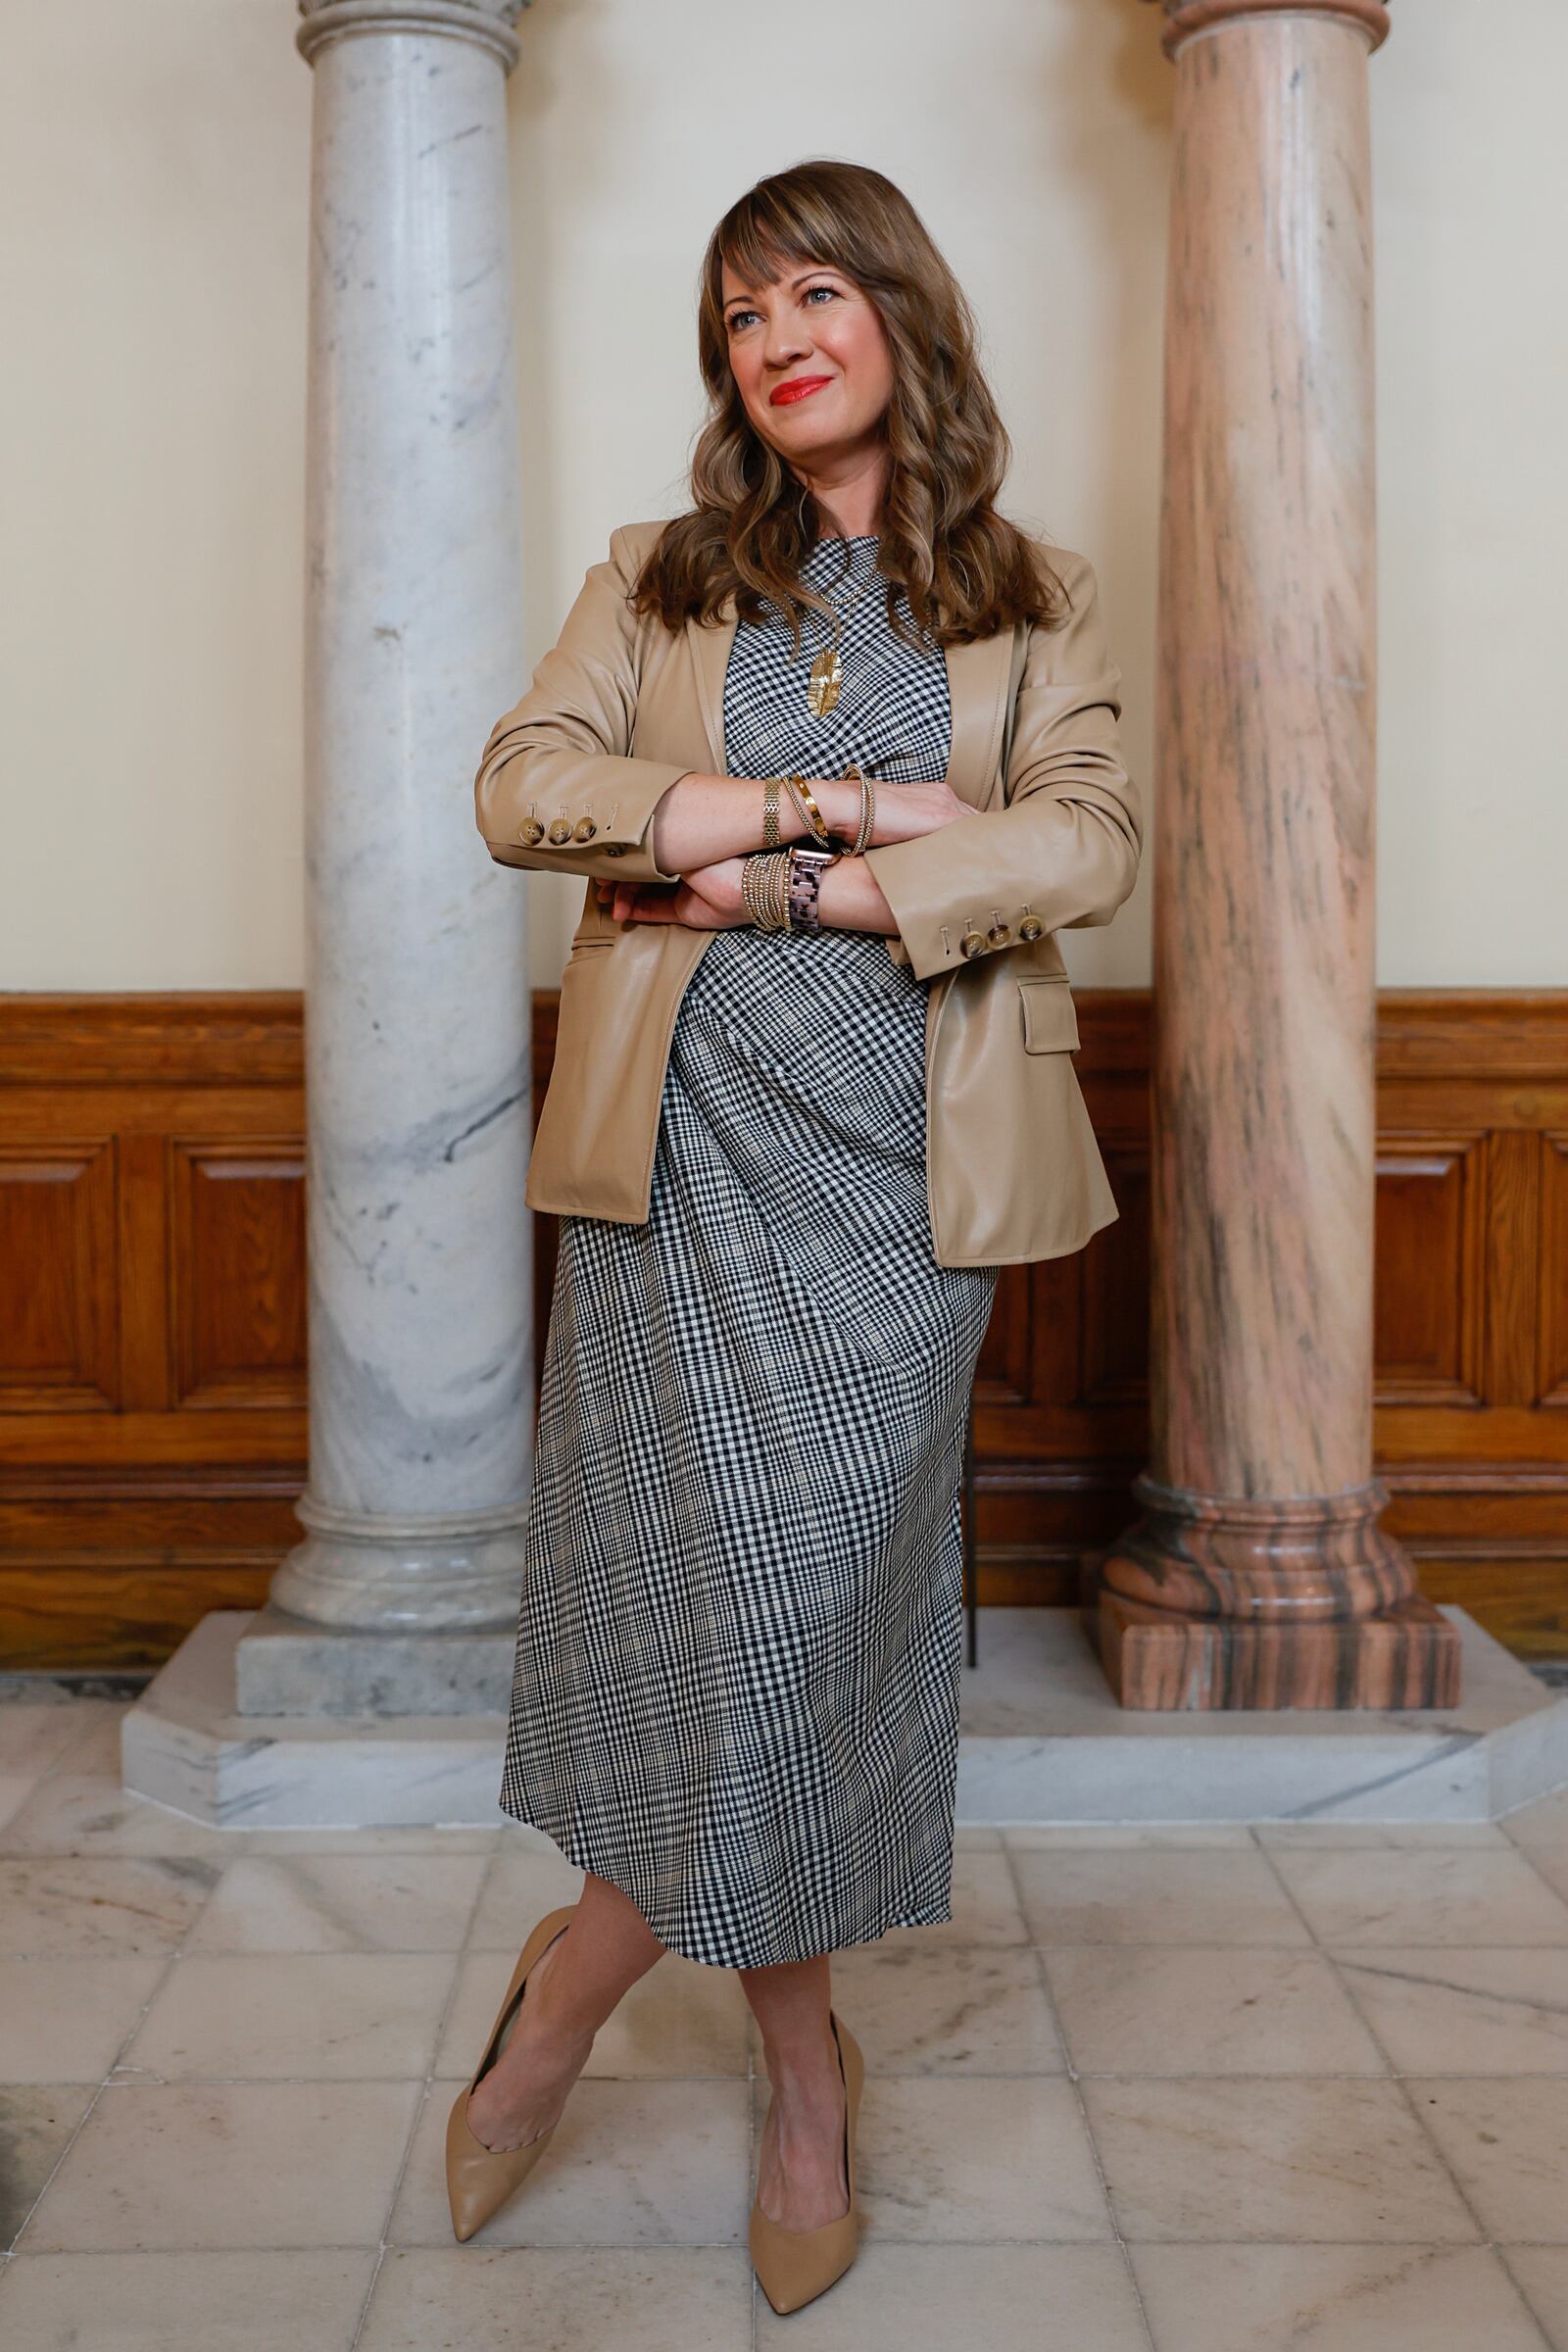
(1050, 1016)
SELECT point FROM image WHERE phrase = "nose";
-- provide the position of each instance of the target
(784, 342)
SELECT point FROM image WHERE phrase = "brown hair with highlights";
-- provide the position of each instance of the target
(967, 573)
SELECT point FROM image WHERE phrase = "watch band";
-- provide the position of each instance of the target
(807, 869)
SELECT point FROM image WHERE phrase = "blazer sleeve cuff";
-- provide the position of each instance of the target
(612, 799)
(916, 878)
(1062, 862)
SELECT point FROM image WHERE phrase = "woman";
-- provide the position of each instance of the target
(808, 1097)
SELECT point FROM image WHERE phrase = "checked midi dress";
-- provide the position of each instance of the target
(739, 1651)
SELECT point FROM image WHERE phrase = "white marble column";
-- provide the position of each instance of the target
(417, 991)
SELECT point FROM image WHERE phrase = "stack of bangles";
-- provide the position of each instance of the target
(768, 875)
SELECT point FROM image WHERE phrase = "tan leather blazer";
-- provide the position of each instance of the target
(621, 708)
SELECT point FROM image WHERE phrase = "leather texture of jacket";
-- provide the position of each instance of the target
(621, 708)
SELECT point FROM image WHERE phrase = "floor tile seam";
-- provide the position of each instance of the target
(876, 2233)
(1402, 2086)
(372, 1952)
(1389, 2074)
(1070, 2075)
(1262, 1944)
(1526, 1855)
(1323, 1950)
(1174, 1835)
(338, 2245)
(57, 1767)
(178, 1951)
(1065, 2073)
(1550, 2342)
(103, 2081)
(1435, 2245)
(1086, 1944)
(147, 2078)
(1354, 1942)
(481, 1886)
(53, 2173)
(737, 2244)
(1068, 2071)
(1271, 1859)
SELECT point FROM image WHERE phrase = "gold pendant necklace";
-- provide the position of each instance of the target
(828, 670)
(827, 676)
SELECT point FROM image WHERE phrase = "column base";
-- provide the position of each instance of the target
(361, 1572)
(284, 1667)
(1407, 1656)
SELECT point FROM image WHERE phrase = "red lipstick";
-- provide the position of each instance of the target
(797, 388)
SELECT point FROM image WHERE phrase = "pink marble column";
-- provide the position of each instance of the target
(1257, 1575)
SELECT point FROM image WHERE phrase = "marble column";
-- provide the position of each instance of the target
(1257, 1575)
(416, 986)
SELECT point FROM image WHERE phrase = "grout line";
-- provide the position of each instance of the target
(481, 1887)
(91, 2108)
(1528, 1854)
(1073, 2077)
(1484, 2235)
(1263, 2077)
(1550, 2341)
(737, 2247)
(160, 1980)
(1444, 2168)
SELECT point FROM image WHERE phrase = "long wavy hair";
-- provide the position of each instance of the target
(966, 571)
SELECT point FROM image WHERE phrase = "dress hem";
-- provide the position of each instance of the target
(906, 1919)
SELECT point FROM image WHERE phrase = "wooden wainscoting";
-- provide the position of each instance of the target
(153, 1426)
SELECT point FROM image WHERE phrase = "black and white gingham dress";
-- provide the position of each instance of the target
(740, 1646)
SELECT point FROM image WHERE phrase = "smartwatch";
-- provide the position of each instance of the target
(808, 865)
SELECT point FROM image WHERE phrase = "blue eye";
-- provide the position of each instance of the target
(736, 316)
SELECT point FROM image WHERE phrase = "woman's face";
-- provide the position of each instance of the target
(813, 326)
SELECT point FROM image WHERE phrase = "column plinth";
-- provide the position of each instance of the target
(1257, 1575)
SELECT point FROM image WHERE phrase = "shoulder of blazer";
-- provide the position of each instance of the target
(639, 539)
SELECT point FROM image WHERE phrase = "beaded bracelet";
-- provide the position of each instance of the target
(863, 832)
(765, 884)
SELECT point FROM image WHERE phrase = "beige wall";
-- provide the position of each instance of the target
(153, 232)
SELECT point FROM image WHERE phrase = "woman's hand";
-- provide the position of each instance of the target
(708, 899)
(904, 812)
(901, 810)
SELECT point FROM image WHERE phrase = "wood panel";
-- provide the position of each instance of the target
(153, 1315)
(59, 1257)
(237, 1272)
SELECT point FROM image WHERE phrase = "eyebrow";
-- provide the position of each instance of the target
(822, 268)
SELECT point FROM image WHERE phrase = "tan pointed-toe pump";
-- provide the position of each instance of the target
(480, 2180)
(795, 2266)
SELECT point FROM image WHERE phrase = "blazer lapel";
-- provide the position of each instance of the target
(977, 682)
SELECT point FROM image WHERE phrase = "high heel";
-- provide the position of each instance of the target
(795, 2266)
(480, 2180)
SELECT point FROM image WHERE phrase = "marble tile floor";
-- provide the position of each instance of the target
(1206, 2089)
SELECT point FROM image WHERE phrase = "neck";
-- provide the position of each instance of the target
(849, 496)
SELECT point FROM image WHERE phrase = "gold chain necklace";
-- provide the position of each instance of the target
(828, 670)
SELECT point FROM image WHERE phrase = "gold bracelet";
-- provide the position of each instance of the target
(762, 871)
(807, 807)
(771, 814)
(862, 833)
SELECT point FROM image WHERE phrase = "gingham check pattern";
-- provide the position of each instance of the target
(736, 1693)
